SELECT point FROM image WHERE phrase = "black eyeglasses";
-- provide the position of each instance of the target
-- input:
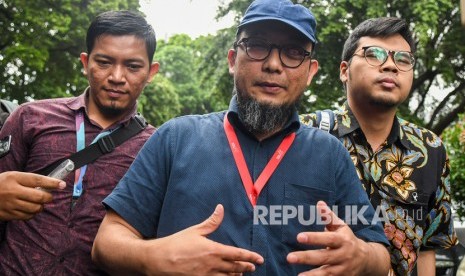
(290, 55)
(377, 56)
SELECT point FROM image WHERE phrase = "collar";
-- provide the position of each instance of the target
(82, 102)
(348, 124)
(291, 125)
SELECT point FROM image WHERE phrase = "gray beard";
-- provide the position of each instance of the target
(263, 118)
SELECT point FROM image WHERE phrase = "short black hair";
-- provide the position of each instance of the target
(377, 27)
(120, 23)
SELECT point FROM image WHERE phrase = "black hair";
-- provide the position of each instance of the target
(120, 23)
(377, 27)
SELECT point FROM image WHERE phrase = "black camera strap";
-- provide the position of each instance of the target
(104, 145)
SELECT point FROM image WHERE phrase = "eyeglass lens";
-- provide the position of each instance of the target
(377, 56)
(290, 55)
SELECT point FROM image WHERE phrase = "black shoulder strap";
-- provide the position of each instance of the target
(325, 120)
(104, 145)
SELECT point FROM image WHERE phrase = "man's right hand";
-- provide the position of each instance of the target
(121, 250)
(190, 252)
(19, 197)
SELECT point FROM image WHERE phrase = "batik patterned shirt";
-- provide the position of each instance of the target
(409, 185)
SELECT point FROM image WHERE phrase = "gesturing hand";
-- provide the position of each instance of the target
(190, 252)
(343, 252)
(19, 198)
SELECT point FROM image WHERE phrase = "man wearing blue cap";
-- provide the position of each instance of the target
(250, 165)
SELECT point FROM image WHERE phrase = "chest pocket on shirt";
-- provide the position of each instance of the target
(414, 212)
(299, 213)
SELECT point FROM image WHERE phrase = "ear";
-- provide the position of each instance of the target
(313, 69)
(344, 71)
(153, 70)
(231, 60)
(85, 61)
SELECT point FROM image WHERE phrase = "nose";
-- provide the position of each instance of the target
(117, 75)
(273, 62)
(389, 64)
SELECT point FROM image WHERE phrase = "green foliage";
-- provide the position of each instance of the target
(216, 80)
(178, 60)
(198, 70)
(454, 139)
(159, 102)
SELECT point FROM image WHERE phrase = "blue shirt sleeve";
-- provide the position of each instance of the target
(138, 197)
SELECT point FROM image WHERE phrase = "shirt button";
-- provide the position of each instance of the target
(70, 225)
(61, 259)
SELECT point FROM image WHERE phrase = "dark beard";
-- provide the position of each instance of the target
(383, 103)
(261, 118)
(111, 111)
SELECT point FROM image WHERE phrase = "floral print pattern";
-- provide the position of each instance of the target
(411, 170)
(399, 179)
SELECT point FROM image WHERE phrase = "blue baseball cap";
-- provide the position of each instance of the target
(294, 15)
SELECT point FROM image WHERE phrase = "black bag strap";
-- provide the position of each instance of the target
(104, 145)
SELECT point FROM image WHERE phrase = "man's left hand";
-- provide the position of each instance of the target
(342, 254)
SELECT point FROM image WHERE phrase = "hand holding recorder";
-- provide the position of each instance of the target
(19, 198)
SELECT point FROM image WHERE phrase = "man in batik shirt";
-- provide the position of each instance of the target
(404, 168)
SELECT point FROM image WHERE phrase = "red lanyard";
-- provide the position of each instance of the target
(253, 191)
